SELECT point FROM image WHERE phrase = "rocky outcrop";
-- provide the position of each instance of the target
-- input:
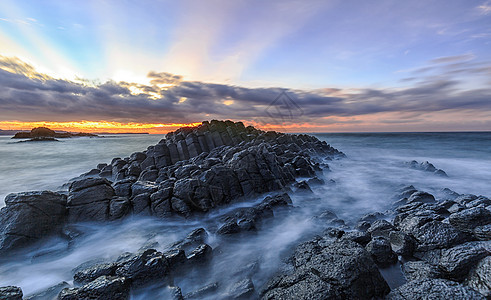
(434, 289)
(43, 133)
(427, 167)
(328, 270)
(10, 293)
(30, 216)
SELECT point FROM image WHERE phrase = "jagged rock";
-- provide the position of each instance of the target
(10, 293)
(380, 228)
(420, 270)
(91, 273)
(201, 254)
(242, 289)
(144, 268)
(359, 237)
(457, 261)
(434, 289)
(104, 287)
(49, 293)
(479, 277)
(468, 219)
(483, 233)
(381, 251)
(342, 269)
(27, 217)
(403, 244)
(207, 290)
(176, 258)
(437, 235)
(119, 207)
(420, 196)
(88, 200)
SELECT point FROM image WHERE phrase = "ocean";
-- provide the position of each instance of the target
(362, 182)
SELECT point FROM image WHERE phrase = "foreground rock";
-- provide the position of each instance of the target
(30, 216)
(434, 289)
(10, 293)
(328, 270)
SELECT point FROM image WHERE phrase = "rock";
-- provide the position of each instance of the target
(88, 200)
(207, 290)
(468, 219)
(434, 289)
(380, 228)
(122, 188)
(302, 186)
(422, 197)
(341, 269)
(144, 268)
(119, 207)
(176, 258)
(104, 287)
(403, 244)
(27, 217)
(479, 277)
(10, 293)
(143, 187)
(437, 235)
(49, 293)
(483, 233)
(243, 289)
(381, 252)
(358, 237)
(93, 272)
(420, 270)
(201, 254)
(457, 261)
(230, 227)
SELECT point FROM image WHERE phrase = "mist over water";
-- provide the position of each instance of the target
(364, 182)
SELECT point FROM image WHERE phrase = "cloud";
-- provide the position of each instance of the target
(452, 59)
(36, 98)
(485, 8)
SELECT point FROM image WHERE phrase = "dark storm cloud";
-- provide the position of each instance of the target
(30, 98)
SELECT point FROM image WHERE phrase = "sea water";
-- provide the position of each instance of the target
(362, 182)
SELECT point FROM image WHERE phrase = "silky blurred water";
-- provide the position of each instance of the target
(364, 182)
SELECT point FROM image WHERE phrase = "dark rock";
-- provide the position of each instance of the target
(119, 207)
(143, 187)
(437, 235)
(230, 227)
(466, 220)
(403, 244)
(422, 197)
(479, 277)
(49, 293)
(138, 156)
(434, 289)
(381, 252)
(141, 204)
(420, 270)
(149, 175)
(483, 233)
(27, 217)
(457, 261)
(207, 290)
(144, 268)
(243, 289)
(302, 186)
(362, 238)
(201, 254)
(88, 200)
(342, 269)
(122, 188)
(380, 228)
(175, 293)
(104, 287)
(10, 293)
(176, 258)
(93, 272)
(372, 217)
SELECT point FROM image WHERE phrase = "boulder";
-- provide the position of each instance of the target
(144, 268)
(457, 261)
(434, 289)
(10, 293)
(381, 252)
(479, 277)
(91, 273)
(89, 199)
(342, 269)
(420, 270)
(468, 219)
(27, 217)
(422, 197)
(49, 293)
(104, 287)
(242, 289)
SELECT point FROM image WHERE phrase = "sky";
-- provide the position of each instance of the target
(296, 66)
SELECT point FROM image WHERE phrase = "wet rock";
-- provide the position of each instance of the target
(93, 272)
(175, 293)
(104, 287)
(230, 227)
(483, 233)
(479, 277)
(468, 219)
(434, 289)
(341, 269)
(144, 268)
(381, 252)
(359, 237)
(176, 258)
(10, 293)
(403, 244)
(88, 200)
(119, 207)
(143, 187)
(49, 293)
(459, 260)
(141, 204)
(200, 255)
(380, 228)
(302, 186)
(422, 197)
(27, 217)
(420, 270)
(243, 289)
(207, 290)
(437, 235)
